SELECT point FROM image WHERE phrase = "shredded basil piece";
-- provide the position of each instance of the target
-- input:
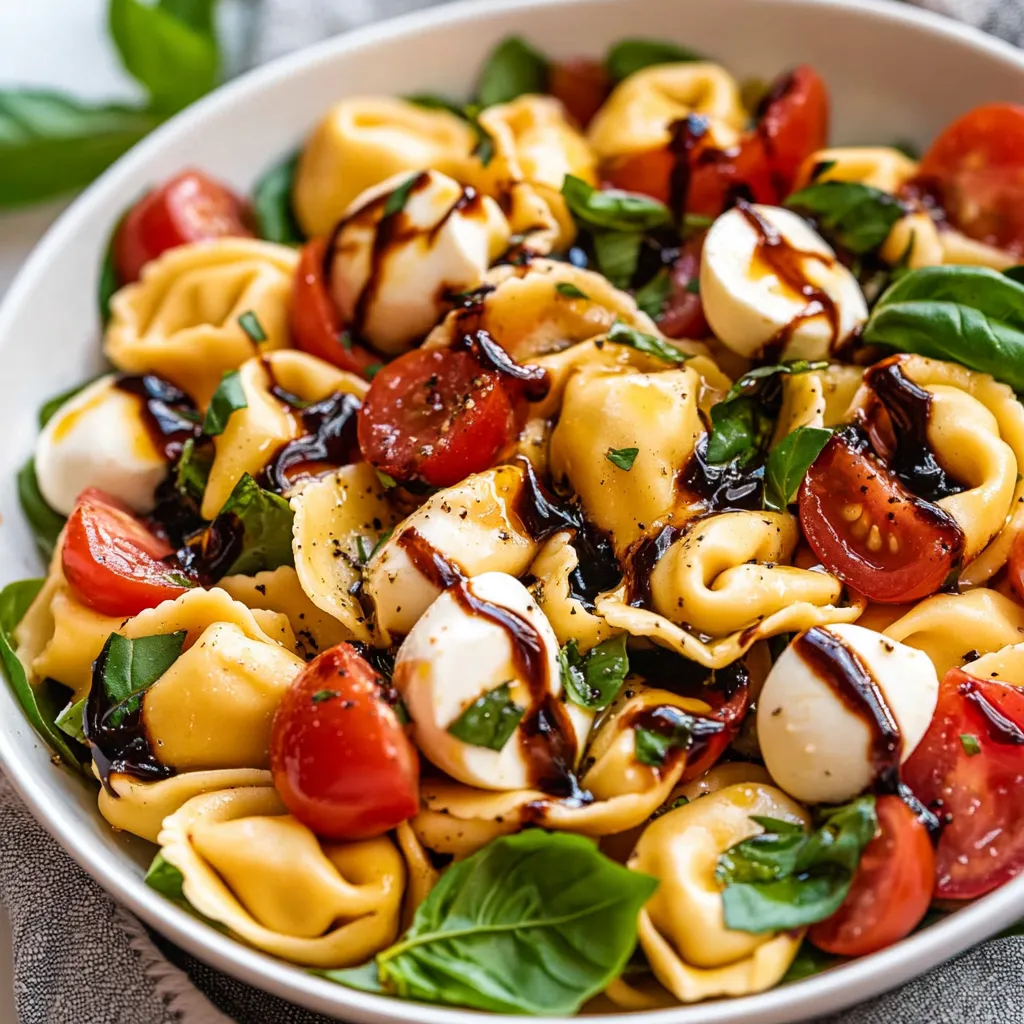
(855, 217)
(628, 56)
(788, 463)
(514, 68)
(570, 291)
(623, 334)
(490, 720)
(250, 323)
(593, 680)
(227, 399)
(622, 457)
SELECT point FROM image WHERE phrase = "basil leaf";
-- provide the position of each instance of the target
(857, 218)
(548, 903)
(387, 481)
(265, 520)
(272, 204)
(788, 463)
(1015, 273)
(651, 747)
(130, 667)
(49, 408)
(432, 101)
(570, 291)
(250, 323)
(593, 680)
(484, 148)
(617, 254)
(622, 457)
(776, 881)
(631, 55)
(51, 144)
(970, 744)
(809, 960)
(44, 522)
(228, 398)
(35, 702)
(623, 334)
(490, 720)
(109, 282)
(514, 68)
(193, 470)
(70, 721)
(399, 196)
(652, 296)
(175, 60)
(365, 978)
(613, 209)
(168, 880)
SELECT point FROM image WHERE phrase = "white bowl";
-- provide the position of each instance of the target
(895, 73)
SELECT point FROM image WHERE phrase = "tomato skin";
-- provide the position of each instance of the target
(189, 208)
(341, 760)
(728, 708)
(113, 562)
(977, 168)
(683, 315)
(316, 325)
(435, 416)
(582, 85)
(979, 797)
(847, 476)
(891, 890)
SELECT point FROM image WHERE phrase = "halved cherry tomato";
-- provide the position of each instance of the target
(891, 890)
(683, 315)
(729, 703)
(969, 769)
(189, 208)
(435, 415)
(582, 85)
(316, 325)
(977, 168)
(113, 562)
(340, 757)
(869, 530)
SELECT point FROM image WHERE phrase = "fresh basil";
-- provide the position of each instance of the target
(809, 960)
(1015, 273)
(617, 254)
(777, 881)
(399, 196)
(613, 209)
(484, 148)
(109, 281)
(272, 204)
(265, 520)
(570, 291)
(548, 903)
(514, 68)
(855, 217)
(631, 55)
(35, 702)
(71, 721)
(44, 522)
(324, 695)
(432, 101)
(623, 334)
(970, 315)
(166, 879)
(387, 481)
(193, 470)
(593, 680)
(788, 463)
(652, 296)
(652, 747)
(228, 398)
(970, 744)
(490, 720)
(250, 323)
(623, 458)
(130, 667)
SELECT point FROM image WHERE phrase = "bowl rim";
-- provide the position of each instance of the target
(821, 993)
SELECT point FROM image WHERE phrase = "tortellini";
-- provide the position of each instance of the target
(818, 398)
(881, 167)
(180, 321)
(362, 141)
(247, 864)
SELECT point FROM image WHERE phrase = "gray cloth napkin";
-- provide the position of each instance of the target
(81, 959)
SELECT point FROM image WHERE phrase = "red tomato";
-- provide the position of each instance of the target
(683, 315)
(977, 166)
(435, 415)
(189, 208)
(969, 768)
(869, 530)
(114, 564)
(729, 706)
(1015, 566)
(793, 123)
(582, 85)
(341, 760)
(891, 890)
(316, 325)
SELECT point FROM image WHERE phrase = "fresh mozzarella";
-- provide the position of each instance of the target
(393, 286)
(454, 655)
(748, 305)
(814, 745)
(99, 439)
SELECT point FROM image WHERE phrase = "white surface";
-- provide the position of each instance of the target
(922, 72)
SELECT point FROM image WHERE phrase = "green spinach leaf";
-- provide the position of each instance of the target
(44, 522)
(631, 55)
(788, 463)
(857, 218)
(272, 204)
(490, 720)
(593, 680)
(514, 68)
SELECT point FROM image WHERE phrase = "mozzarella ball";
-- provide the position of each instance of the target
(453, 656)
(750, 307)
(389, 277)
(816, 748)
(99, 439)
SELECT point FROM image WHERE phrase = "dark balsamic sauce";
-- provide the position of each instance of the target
(533, 381)
(999, 728)
(428, 561)
(726, 689)
(170, 416)
(690, 733)
(641, 564)
(722, 487)
(686, 135)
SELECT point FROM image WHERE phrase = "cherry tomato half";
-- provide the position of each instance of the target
(316, 325)
(113, 562)
(891, 890)
(869, 530)
(341, 760)
(969, 769)
(582, 85)
(189, 208)
(977, 166)
(435, 415)
(683, 315)
(729, 705)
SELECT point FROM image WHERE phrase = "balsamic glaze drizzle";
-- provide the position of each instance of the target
(668, 720)
(170, 416)
(722, 487)
(642, 561)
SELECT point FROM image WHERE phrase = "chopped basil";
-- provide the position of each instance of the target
(396, 201)
(265, 520)
(855, 217)
(628, 56)
(109, 281)
(166, 879)
(322, 695)
(513, 68)
(593, 680)
(432, 101)
(784, 879)
(617, 254)
(364, 555)
(570, 291)
(372, 370)
(272, 204)
(381, 541)
(70, 720)
(130, 667)
(44, 522)
(250, 323)
(387, 481)
(622, 457)
(490, 720)
(970, 744)
(613, 209)
(228, 398)
(192, 470)
(693, 287)
(652, 296)
(651, 748)
(623, 334)
(788, 463)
